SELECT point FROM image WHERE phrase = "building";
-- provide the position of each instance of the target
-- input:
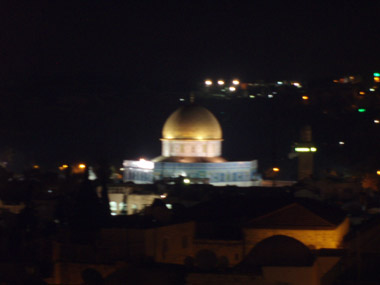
(305, 150)
(233, 240)
(192, 148)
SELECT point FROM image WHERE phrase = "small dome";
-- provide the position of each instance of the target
(279, 250)
(192, 122)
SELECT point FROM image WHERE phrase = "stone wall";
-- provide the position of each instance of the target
(312, 238)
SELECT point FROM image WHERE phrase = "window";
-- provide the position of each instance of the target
(123, 207)
(113, 206)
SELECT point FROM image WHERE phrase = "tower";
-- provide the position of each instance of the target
(305, 149)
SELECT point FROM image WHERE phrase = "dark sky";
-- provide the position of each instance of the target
(179, 42)
(72, 71)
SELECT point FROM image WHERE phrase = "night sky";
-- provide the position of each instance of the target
(83, 79)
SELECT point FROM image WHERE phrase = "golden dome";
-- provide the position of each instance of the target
(192, 122)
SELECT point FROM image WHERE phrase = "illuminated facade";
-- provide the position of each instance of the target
(192, 148)
(293, 221)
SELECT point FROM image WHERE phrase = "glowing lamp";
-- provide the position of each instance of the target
(305, 149)
(63, 167)
(376, 121)
(362, 93)
(302, 149)
(276, 169)
(208, 82)
(362, 110)
(297, 84)
(36, 166)
(232, 88)
(376, 74)
(220, 82)
(376, 79)
(82, 166)
(305, 97)
(378, 172)
(145, 164)
(186, 181)
(235, 82)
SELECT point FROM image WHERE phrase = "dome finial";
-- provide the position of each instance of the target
(192, 97)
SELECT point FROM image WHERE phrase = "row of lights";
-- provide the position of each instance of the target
(65, 166)
(81, 166)
(221, 82)
(305, 149)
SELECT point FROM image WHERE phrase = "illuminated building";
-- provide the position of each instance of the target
(305, 151)
(192, 148)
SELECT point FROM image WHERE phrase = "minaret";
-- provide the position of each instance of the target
(305, 150)
(192, 98)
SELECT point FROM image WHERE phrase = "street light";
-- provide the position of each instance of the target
(220, 82)
(63, 167)
(235, 82)
(208, 82)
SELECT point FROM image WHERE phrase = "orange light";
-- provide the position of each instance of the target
(376, 79)
(378, 172)
(82, 166)
(305, 97)
(335, 81)
(276, 169)
(36, 166)
(62, 167)
(361, 92)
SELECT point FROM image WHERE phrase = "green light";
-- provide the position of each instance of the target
(376, 74)
(305, 149)
(361, 110)
(302, 149)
